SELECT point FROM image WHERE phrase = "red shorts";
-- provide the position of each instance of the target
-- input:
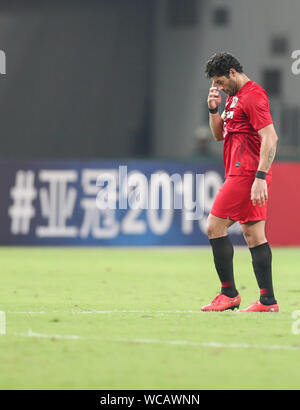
(233, 201)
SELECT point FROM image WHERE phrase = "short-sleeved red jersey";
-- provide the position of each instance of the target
(245, 114)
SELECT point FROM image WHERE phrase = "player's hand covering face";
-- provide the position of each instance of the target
(214, 97)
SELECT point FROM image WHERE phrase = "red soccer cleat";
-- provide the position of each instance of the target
(259, 307)
(221, 303)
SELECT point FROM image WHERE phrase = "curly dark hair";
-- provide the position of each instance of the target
(220, 64)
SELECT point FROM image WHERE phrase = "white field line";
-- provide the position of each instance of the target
(149, 312)
(211, 344)
(215, 345)
(28, 313)
(30, 333)
(2, 323)
(107, 312)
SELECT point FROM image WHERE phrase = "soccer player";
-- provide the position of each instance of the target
(247, 131)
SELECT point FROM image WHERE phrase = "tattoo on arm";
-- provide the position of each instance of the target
(271, 157)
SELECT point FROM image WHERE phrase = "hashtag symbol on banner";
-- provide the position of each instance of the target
(22, 210)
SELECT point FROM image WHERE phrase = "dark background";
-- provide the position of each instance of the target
(125, 78)
(78, 80)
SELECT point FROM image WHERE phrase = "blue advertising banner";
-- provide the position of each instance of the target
(108, 203)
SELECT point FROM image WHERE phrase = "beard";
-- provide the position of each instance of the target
(232, 88)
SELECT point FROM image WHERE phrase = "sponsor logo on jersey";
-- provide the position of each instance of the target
(234, 102)
(229, 115)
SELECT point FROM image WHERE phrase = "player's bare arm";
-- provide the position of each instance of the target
(215, 121)
(259, 192)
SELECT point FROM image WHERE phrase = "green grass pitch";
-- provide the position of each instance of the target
(88, 318)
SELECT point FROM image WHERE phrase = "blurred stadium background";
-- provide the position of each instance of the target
(122, 80)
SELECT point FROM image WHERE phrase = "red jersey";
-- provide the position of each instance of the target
(245, 114)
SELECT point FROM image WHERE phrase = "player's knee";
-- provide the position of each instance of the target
(247, 234)
(253, 238)
(209, 231)
(213, 230)
(209, 227)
